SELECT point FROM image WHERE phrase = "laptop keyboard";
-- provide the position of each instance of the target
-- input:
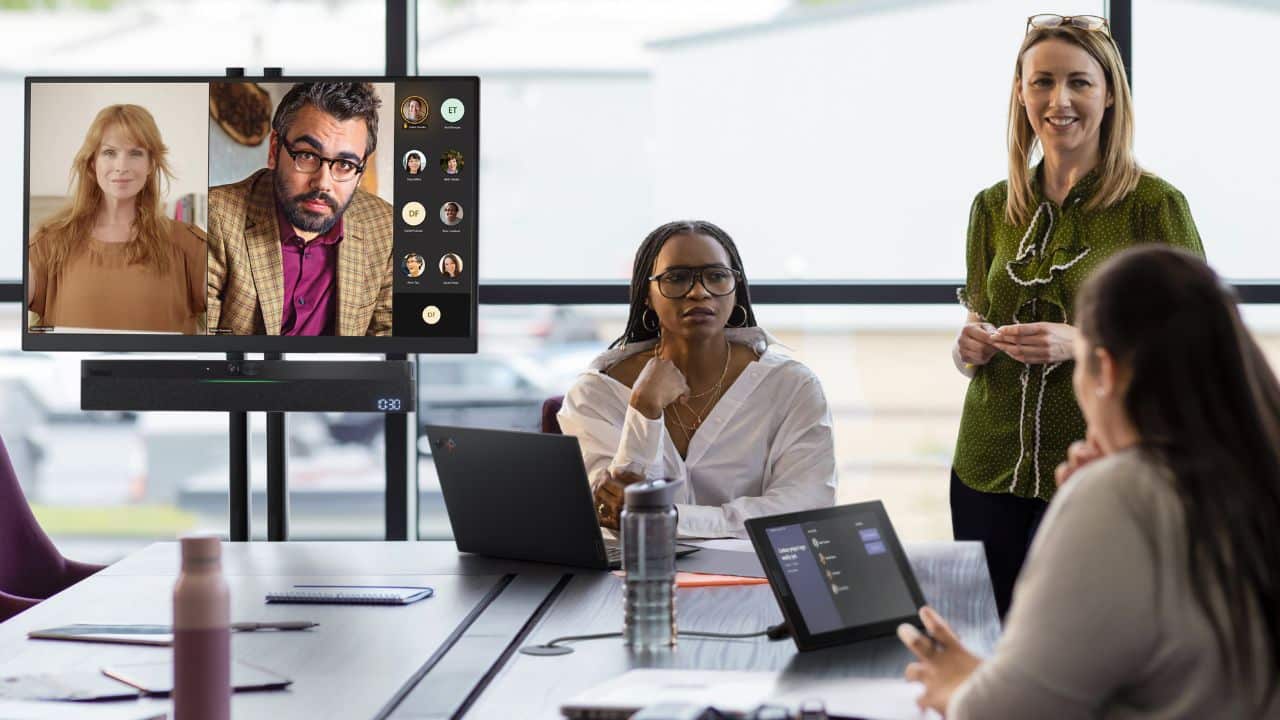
(613, 550)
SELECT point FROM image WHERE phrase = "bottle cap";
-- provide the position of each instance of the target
(200, 548)
(651, 494)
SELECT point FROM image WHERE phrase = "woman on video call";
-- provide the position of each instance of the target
(413, 162)
(110, 259)
(450, 266)
(1032, 241)
(1152, 590)
(693, 390)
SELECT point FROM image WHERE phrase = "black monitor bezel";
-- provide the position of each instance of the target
(131, 342)
(804, 639)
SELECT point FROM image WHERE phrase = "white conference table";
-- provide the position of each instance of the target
(454, 655)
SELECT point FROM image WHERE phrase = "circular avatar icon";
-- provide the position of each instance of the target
(451, 213)
(452, 110)
(413, 162)
(413, 264)
(414, 110)
(414, 213)
(451, 162)
(451, 265)
(431, 314)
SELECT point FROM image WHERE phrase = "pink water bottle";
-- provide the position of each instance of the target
(201, 634)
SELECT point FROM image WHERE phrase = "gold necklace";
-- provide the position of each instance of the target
(728, 355)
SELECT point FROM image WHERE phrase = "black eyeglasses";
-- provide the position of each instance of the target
(1048, 21)
(677, 282)
(305, 161)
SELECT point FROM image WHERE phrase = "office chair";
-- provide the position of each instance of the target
(550, 407)
(31, 568)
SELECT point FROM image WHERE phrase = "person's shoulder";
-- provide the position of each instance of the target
(236, 190)
(786, 369)
(627, 369)
(1130, 479)
(1153, 190)
(592, 389)
(189, 238)
(365, 202)
(230, 203)
(993, 196)
(41, 238)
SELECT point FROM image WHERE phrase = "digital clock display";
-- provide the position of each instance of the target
(389, 404)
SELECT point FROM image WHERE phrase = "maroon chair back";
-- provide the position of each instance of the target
(550, 407)
(31, 568)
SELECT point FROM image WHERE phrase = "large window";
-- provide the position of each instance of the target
(832, 140)
(1207, 123)
(158, 37)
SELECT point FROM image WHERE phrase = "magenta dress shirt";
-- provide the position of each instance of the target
(310, 280)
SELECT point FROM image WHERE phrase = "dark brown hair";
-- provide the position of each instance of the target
(1206, 405)
(343, 100)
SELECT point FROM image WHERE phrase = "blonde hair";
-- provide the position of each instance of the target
(1118, 169)
(68, 230)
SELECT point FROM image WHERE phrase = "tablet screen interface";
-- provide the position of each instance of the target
(841, 571)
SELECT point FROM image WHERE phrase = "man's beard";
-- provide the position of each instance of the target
(304, 219)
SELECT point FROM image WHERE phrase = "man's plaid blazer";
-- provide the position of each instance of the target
(246, 272)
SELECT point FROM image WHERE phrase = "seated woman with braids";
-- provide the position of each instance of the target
(695, 391)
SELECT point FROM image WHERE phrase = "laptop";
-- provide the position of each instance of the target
(521, 496)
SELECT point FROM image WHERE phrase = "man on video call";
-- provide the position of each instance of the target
(297, 248)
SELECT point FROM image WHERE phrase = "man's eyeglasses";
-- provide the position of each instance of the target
(305, 161)
(677, 282)
(1048, 21)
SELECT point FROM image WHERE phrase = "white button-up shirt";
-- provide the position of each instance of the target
(766, 448)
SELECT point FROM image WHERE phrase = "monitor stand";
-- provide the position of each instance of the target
(275, 386)
(238, 386)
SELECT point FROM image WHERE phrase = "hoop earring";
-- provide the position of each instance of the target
(644, 320)
(745, 316)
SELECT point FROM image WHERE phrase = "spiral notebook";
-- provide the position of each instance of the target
(351, 594)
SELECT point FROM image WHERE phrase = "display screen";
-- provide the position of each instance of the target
(252, 214)
(841, 572)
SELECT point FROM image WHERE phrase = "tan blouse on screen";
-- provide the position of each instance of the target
(99, 289)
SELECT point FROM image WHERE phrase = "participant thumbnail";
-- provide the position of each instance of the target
(122, 246)
(413, 265)
(451, 265)
(414, 110)
(300, 235)
(451, 213)
(413, 162)
(451, 162)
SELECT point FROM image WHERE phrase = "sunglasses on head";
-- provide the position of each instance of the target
(1048, 21)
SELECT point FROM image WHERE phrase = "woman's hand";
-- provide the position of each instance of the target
(1079, 454)
(1036, 343)
(943, 664)
(659, 384)
(608, 497)
(975, 345)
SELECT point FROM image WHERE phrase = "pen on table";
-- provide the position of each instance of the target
(282, 625)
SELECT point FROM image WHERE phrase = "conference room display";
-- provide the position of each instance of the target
(267, 214)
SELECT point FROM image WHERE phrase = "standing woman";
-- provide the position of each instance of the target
(110, 259)
(1033, 239)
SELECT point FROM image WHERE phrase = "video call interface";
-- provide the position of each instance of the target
(241, 207)
(840, 577)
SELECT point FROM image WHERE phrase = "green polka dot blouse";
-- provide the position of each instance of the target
(1018, 419)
